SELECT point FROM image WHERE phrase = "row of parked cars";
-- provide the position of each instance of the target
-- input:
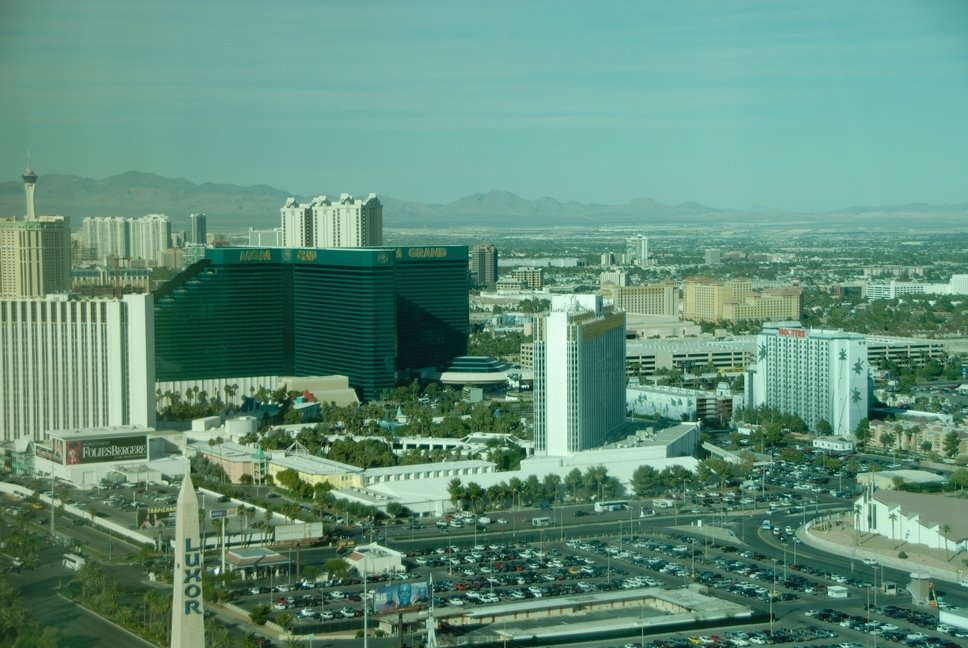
(743, 638)
(891, 631)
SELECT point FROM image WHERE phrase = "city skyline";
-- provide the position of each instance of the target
(732, 105)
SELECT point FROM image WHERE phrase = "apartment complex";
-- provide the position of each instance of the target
(646, 299)
(579, 374)
(771, 304)
(817, 374)
(145, 238)
(637, 250)
(35, 256)
(198, 234)
(35, 253)
(68, 363)
(733, 300)
(323, 223)
(703, 297)
(530, 278)
(483, 266)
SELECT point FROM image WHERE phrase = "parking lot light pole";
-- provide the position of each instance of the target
(365, 616)
(772, 596)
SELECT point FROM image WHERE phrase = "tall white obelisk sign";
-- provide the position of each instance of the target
(187, 618)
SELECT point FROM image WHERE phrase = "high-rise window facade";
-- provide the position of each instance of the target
(199, 229)
(483, 265)
(364, 313)
(323, 223)
(579, 374)
(816, 374)
(75, 363)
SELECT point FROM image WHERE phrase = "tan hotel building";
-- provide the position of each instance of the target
(716, 300)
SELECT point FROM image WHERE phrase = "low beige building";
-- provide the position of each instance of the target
(890, 479)
(375, 559)
(316, 470)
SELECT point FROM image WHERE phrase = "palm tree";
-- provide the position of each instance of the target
(945, 530)
(149, 601)
(112, 596)
(230, 391)
(455, 490)
(893, 518)
(91, 575)
(857, 510)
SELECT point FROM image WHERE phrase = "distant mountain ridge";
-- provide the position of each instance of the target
(236, 208)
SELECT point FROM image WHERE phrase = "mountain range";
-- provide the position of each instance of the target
(236, 208)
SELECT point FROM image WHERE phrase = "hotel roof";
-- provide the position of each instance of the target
(933, 510)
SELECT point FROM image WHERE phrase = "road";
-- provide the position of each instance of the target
(82, 629)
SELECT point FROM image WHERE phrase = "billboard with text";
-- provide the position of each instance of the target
(400, 595)
(87, 451)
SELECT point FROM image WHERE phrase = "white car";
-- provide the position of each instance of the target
(870, 561)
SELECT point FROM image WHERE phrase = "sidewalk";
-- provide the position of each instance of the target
(838, 536)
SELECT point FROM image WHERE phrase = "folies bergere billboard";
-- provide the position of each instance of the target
(85, 451)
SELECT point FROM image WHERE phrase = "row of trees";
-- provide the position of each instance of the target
(595, 483)
(649, 482)
(935, 315)
(146, 613)
(194, 403)
(17, 629)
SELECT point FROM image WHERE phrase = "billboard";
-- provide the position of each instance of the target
(88, 451)
(298, 532)
(156, 516)
(400, 595)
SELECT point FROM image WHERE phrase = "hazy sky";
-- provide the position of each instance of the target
(803, 105)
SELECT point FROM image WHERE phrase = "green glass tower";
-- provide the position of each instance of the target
(362, 312)
(432, 316)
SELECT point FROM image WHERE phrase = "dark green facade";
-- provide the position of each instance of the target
(432, 311)
(277, 311)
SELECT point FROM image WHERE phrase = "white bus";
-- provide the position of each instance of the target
(541, 521)
(612, 505)
(73, 561)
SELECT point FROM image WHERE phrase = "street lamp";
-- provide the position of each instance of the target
(772, 596)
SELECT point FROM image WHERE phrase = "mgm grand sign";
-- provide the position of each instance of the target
(422, 253)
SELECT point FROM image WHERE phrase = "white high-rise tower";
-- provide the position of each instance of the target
(579, 374)
(817, 374)
(30, 181)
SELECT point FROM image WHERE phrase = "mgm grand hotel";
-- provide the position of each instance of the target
(243, 318)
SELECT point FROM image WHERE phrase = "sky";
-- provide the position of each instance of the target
(810, 106)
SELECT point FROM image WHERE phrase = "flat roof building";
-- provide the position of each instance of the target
(316, 470)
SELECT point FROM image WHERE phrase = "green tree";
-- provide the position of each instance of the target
(823, 427)
(646, 481)
(862, 433)
(260, 614)
(951, 444)
(959, 478)
(394, 508)
(336, 567)
(455, 490)
(886, 439)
